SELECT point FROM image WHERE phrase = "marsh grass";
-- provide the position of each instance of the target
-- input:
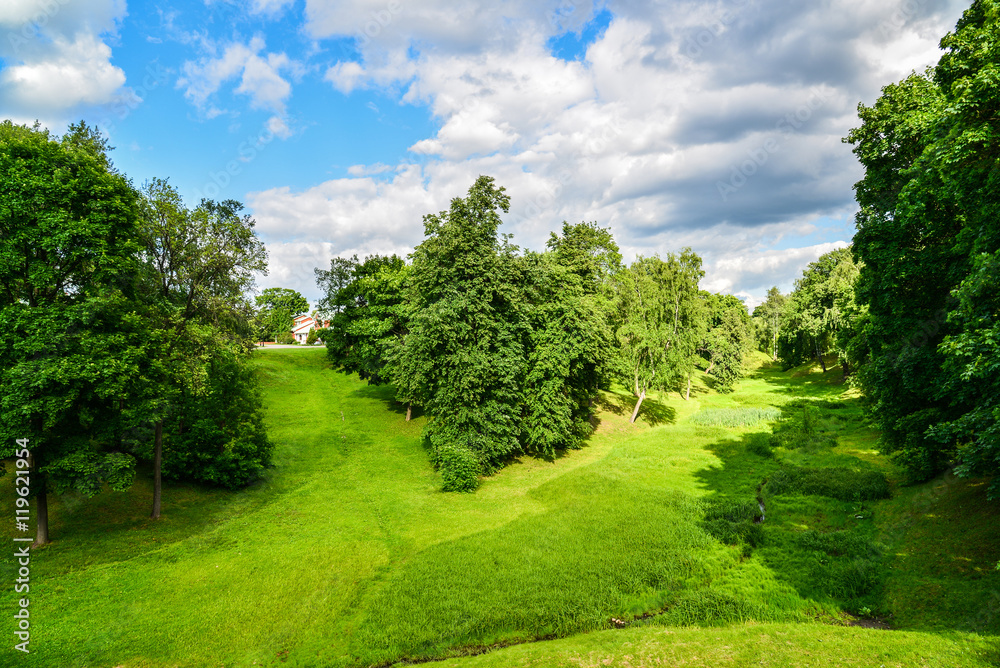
(735, 417)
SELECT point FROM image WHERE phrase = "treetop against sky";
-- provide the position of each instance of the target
(340, 124)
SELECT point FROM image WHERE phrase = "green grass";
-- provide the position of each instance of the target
(735, 417)
(347, 554)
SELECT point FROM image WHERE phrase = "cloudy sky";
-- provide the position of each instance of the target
(715, 125)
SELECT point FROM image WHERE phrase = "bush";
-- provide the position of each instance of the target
(735, 417)
(459, 467)
(285, 338)
(313, 337)
(218, 436)
(835, 482)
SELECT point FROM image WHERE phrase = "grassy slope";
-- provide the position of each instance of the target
(348, 554)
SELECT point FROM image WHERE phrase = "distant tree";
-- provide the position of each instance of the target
(659, 322)
(331, 281)
(70, 345)
(276, 311)
(820, 310)
(369, 314)
(728, 339)
(768, 319)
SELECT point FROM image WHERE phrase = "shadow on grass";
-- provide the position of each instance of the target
(922, 560)
(387, 395)
(653, 411)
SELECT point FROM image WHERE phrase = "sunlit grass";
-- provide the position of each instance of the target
(347, 554)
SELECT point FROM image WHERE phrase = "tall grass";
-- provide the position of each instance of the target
(735, 417)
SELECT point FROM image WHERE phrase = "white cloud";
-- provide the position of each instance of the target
(73, 73)
(58, 58)
(260, 76)
(669, 103)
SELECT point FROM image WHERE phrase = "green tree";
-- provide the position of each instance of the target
(463, 357)
(728, 339)
(276, 311)
(659, 322)
(927, 231)
(768, 318)
(198, 267)
(370, 315)
(820, 313)
(68, 354)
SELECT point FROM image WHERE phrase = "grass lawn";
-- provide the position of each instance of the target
(349, 555)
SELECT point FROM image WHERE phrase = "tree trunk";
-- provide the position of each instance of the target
(42, 509)
(774, 348)
(635, 413)
(688, 395)
(710, 365)
(846, 366)
(157, 466)
(819, 357)
(409, 411)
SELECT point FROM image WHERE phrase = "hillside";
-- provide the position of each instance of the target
(349, 555)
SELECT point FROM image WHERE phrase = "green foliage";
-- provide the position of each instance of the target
(836, 482)
(927, 226)
(70, 345)
(504, 351)
(728, 339)
(276, 311)
(217, 434)
(460, 468)
(768, 318)
(821, 313)
(312, 337)
(659, 321)
(735, 417)
(369, 315)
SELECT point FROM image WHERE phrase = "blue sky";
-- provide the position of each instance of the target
(714, 125)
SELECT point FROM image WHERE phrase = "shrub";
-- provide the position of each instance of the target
(313, 337)
(835, 482)
(735, 417)
(285, 338)
(218, 436)
(459, 467)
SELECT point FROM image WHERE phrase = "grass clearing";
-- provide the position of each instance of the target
(349, 555)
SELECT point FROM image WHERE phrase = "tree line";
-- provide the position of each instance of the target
(124, 324)
(913, 306)
(505, 349)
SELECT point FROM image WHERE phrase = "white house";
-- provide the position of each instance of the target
(304, 324)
